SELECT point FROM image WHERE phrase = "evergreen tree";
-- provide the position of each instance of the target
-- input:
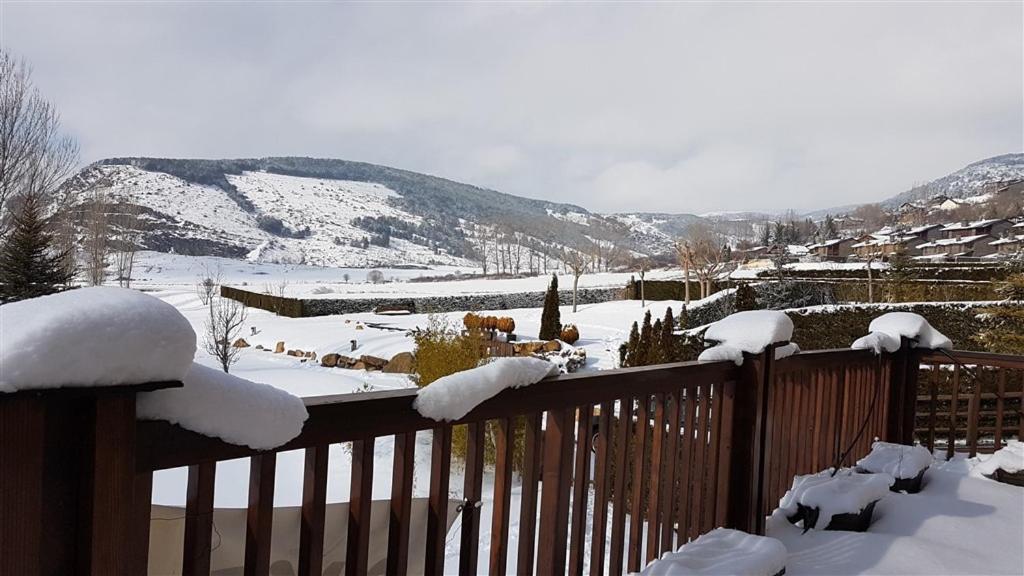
(630, 347)
(668, 339)
(684, 319)
(29, 266)
(746, 298)
(551, 317)
(643, 349)
(657, 353)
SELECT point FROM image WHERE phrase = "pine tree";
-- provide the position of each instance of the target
(746, 298)
(29, 266)
(668, 340)
(551, 317)
(630, 347)
(644, 350)
(684, 319)
(657, 353)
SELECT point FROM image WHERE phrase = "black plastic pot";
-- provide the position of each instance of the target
(851, 522)
(1014, 478)
(908, 485)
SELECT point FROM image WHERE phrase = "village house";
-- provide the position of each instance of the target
(976, 246)
(889, 241)
(992, 227)
(1008, 246)
(835, 249)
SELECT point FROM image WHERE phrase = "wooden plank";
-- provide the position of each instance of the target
(528, 498)
(162, 445)
(557, 474)
(198, 519)
(502, 495)
(623, 433)
(1010, 361)
(357, 550)
(142, 507)
(654, 500)
(602, 486)
(972, 416)
(259, 519)
(314, 507)
(437, 513)
(1001, 391)
(668, 500)
(711, 484)
(953, 409)
(725, 415)
(472, 490)
(699, 462)
(22, 445)
(580, 490)
(686, 471)
(637, 493)
(931, 409)
(774, 438)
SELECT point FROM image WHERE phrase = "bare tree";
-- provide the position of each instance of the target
(223, 325)
(375, 276)
(34, 157)
(683, 255)
(703, 250)
(126, 219)
(206, 289)
(578, 263)
(96, 235)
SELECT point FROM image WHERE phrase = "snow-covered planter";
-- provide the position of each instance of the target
(907, 464)
(1005, 465)
(748, 332)
(724, 551)
(845, 501)
(886, 332)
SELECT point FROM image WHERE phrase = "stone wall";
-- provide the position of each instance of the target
(463, 303)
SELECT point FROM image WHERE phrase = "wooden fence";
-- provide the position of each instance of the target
(669, 452)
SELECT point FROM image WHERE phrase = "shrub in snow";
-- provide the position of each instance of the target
(818, 498)
(905, 463)
(214, 403)
(452, 397)
(442, 350)
(92, 337)
(723, 551)
(1009, 459)
(750, 332)
(909, 325)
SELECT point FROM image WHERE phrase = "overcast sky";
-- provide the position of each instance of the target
(664, 107)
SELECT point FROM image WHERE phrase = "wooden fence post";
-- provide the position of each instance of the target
(750, 421)
(67, 481)
(902, 394)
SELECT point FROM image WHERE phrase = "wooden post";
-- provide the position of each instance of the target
(902, 394)
(750, 422)
(68, 481)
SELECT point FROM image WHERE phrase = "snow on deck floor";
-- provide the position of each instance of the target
(956, 525)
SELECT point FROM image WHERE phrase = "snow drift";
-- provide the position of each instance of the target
(100, 336)
(452, 397)
(723, 551)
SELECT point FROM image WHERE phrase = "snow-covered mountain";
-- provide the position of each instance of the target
(975, 180)
(341, 213)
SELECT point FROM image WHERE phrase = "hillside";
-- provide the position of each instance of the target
(972, 181)
(341, 213)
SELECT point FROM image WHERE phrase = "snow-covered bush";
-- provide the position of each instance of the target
(1008, 459)
(844, 493)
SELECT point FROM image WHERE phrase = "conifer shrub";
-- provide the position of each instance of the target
(30, 265)
(551, 317)
(745, 298)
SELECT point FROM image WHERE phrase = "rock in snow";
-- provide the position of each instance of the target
(897, 460)
(107, 336)
(98, 336)
(452, 397)
(233, 409)
(723, 551)
(751, 332)
(910, 325)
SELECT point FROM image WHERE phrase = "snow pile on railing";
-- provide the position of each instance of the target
(452, 397)
(99, 336)
(897, 460)
(107, 336)
(845, 493)
(748, 332)
(1008, 459)
(723, 551)
(886, 331)
(233, 409)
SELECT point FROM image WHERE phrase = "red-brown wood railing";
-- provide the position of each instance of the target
(669, 451)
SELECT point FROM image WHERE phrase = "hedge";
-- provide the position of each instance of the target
(944, 272)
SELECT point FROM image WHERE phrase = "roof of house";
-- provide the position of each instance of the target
(828, 243)
(1008, 240)
(953, 241)
(971, 225)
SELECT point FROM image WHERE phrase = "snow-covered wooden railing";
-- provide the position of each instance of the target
(671, 452)
(969, 401)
